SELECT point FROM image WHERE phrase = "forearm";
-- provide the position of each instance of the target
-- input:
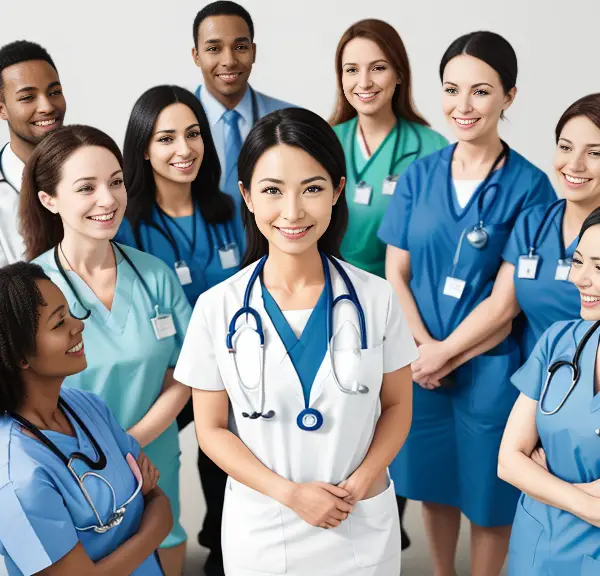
(409, 307)
(163, 412)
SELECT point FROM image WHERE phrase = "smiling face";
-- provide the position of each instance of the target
(33, 104)
(473, 98)
(58, 342)
(90, 197)
(585, 273)
(176, 147)
(225, 55)
(368, 79)
(577, 161)
(291, 196)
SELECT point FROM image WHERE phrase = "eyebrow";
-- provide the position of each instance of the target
(173, 131)
(472, 86)
(219, 40)
(91, 178)
(33, 88)
(59, 309)
(587, 145)
(370, 63)
(305, 181)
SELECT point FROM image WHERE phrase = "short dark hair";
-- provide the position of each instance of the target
(489, 47)
(21, 51)
(20, 301)
(593, 219)
(222, 8)
(588, 106)
(305, 130)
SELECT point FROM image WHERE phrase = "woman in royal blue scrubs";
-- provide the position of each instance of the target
(446, 227)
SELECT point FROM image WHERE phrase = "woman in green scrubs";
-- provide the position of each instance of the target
(380, 130)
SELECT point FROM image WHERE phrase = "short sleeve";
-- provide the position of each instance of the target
(197, 366)
(394, 226)
(125, 234)
(36, 530)
(399, 348)
(530, 378)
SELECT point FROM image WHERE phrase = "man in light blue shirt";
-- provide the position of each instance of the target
(225, 52)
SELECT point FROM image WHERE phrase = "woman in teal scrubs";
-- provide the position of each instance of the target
(380, 130)
(136, 313)
(557, 525)
(47, 526)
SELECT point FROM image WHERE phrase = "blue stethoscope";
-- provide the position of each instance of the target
(308, 419)
(575, 370)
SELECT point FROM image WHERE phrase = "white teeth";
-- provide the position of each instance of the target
(366, 94)
(183, 164)
(75, 348)
(45, 122)
(590, 298)
(103, 217)
(294, 231)
(229, 76)
(465, 122)
(574, 180)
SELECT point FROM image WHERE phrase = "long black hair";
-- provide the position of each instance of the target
(20, 301)
(215, 206)
(309, 132)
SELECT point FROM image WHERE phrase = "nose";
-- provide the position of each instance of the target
(364, 78)
(44, 105)
(293, 209)
(228, 58)
(582, 276)
(76, 327)
(576, 162)
(183, 148)
(464, 103)
(105, 197)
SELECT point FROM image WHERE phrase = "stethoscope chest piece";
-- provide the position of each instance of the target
(309, 420)
(478, 237)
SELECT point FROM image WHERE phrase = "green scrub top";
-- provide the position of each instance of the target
(361, 246)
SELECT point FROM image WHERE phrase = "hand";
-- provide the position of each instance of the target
(539, 457)
(149, 473)
(361, 485)
(432, 357)
(429, 383)
(320, 504)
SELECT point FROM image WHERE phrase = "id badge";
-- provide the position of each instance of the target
(562, 270)
(528, 265)
(229, 255)
(183, 273)
(362, 193)
(163, 325)
(454, 287)
(389, 185)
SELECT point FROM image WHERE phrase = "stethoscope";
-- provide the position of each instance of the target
(391, 177)
(118, 513)
(575, 370)
(3, 177)
(88, 312)
(308, 419)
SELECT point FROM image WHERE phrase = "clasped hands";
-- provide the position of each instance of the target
(433, 364)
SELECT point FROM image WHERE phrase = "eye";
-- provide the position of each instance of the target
(350, 70)
(194, 134)
(86, 188)
(379, 68)
(564, 147)
(242, 47)
(481, 92)
(165, 140)
(212, 49)
(59, 323)
(27, 98)
(451, 90)
(595, 153)
(314, 189)
(271, 191)
(576, 262)
(117, 182)
(56, 93)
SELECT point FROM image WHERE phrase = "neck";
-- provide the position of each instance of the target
(230, 101)
(374, 124)
(40, 406)
(174, 198)
(484, 150)
(576, 213)
(85, 254)
(20, 147)
(292, 272)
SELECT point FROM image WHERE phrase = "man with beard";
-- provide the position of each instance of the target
(33, 105)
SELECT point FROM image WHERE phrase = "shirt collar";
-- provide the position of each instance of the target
(215, 110)
(12, 167)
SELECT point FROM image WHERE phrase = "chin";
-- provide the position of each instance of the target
(591, 315)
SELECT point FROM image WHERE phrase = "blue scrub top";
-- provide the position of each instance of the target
(424, 218)
(543, 300)
(41, 503)
(203, 261)
(546, 540)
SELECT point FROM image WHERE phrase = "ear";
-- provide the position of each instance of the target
(3, 113)
(195, 57)
(146, 155)
(48, 202)
(338, 191)
(253, 52)
(246, 196)
(23, 365)
(509, 98)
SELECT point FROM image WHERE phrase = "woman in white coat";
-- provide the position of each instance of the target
(321, 409)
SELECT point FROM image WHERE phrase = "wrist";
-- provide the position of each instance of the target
(584, 505)
(283, 492)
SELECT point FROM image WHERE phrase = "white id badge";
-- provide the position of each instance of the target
(362, 193)
(183, 273)
(562, 270)
(163, 325)
(389, 185)
(229, 255)
(454, 287)
(527, 267)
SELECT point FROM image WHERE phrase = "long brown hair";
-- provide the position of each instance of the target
(40, 228)
(386, 37)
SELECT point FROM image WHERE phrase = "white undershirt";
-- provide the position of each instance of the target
(297, 320)
(464, 190)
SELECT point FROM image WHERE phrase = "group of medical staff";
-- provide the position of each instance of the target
(421, 315)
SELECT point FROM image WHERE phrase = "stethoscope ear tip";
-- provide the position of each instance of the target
(269, 414)
(362, 389)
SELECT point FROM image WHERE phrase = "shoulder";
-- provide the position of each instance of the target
(524, 168)
(46, 261)
(84, 402)
(562, 336)
(271, 103)
(342, 129)
(213, 300)
(431, 140)
(147, 264)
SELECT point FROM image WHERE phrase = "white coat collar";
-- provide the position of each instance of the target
(12, 167)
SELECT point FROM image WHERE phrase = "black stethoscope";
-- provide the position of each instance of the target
(3, 177)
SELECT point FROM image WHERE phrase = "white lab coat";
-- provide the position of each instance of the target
(11, 173)
(261, 536)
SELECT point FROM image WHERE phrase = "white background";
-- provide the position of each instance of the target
(109, 52)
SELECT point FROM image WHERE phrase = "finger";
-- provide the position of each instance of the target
(344, 506)
(339, 515)
(337, 491)
(332, 522)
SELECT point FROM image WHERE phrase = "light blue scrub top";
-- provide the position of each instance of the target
(41, 503)
(203, 262)
(126, 363)
(543, 300)
(546, 540)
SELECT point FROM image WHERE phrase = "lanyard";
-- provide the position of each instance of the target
(3, 178)
(165, 218)
(551, 211)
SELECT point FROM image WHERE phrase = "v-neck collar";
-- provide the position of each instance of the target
(557, 224)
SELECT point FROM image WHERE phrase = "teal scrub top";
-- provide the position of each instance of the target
(361, 246)
(126, 363)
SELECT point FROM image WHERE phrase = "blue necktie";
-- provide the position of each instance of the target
(233, 145)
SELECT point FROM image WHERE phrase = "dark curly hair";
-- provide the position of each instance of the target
(20, 301)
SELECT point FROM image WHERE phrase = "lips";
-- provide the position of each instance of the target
(575, 180)
(229, 77)
(77, 350)
(293, 233)
(108, 217)
(48, 123)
